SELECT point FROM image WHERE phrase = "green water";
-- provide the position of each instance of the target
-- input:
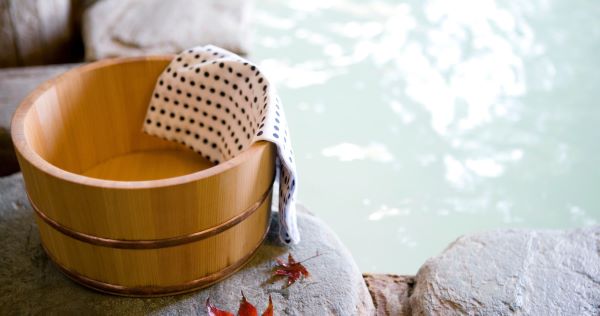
(417, 122)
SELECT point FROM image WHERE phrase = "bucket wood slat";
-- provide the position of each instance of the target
(128, 213)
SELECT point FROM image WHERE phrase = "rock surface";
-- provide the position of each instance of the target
(131, 27)
(17, 83)
(513, 272)
(390, 293)
(30, 284)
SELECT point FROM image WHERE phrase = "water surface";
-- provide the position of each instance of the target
(416, 122)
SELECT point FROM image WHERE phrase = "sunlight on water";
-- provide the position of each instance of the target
(416, 122)
(350, 152)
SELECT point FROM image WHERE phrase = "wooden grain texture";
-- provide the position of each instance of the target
(149, 165)
(88, 122)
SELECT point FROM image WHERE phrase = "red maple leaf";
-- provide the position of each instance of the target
(292, 269)
(246, 309)
(211, 310)
(269, 310)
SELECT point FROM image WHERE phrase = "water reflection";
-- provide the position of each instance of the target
(297, 76)
(473, 55)
(385, 211)
(405, 238)
(580, 215)
(463, 173)
(481, 112)
(405, 115)
(349, 152)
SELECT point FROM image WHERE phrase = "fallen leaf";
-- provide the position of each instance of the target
(211, 310)
(269, 310)
(292, 269)
(246, 309)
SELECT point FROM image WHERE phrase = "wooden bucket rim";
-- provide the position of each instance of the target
(22, 147)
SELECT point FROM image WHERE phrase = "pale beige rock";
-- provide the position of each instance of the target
(114, 28)
(513, 272)
(35, 32)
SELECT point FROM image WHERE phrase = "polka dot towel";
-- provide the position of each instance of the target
(218, 104)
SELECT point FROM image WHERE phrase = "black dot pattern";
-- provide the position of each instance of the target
(218, 104)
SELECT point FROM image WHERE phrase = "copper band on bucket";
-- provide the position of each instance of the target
(153, 243)
(154, 291)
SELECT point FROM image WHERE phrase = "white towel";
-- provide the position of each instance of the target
(218, 104)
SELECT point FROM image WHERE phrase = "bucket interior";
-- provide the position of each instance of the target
(89, 122)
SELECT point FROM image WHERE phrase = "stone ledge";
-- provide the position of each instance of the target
(17, 83)
(31, 284)
(506, 272)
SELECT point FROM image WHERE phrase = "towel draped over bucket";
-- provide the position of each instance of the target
(218, 104)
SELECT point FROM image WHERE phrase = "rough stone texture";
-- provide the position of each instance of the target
(17, 83)
(138, 27)
(513, 272)
(35, 32)
(390, 293)
(31, 284)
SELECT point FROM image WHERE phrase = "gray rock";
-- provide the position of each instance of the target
(17, 83)
(513, 272)
(31, 284)
(113, 28)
